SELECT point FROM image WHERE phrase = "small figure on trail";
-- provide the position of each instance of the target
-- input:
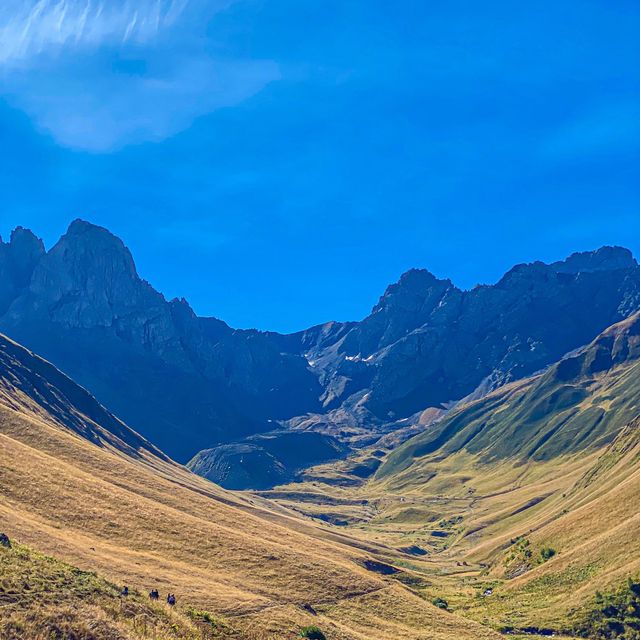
(4, 541)
(154, 595)
(171, 599)
(125, 591)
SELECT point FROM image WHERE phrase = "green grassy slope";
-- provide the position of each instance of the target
(579, 404)
(515, 509)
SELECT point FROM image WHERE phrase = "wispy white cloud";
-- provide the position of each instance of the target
(31, 27)
(127, 109)
(64, 62)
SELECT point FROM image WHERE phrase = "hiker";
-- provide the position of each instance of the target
(154, 595)
(171, 599)
(125, 591)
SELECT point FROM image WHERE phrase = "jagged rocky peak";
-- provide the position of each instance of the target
(18, 258)
(22, 253)
(89, 279)
(88, 245)
(603, 259)
(412, 289)
(406, 305)
(24, 240)
(90, 260)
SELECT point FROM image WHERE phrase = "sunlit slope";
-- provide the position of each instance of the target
(595, 535)
(534, 489)
(578, 405)
(586, 519)
(105, 500)
(43, 598)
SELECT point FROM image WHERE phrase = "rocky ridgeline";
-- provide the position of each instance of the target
(189, 383)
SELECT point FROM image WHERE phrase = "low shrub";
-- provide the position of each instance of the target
(546, 553)
(312, 633)
(613, 615)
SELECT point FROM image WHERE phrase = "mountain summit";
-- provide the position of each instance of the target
(186, 382)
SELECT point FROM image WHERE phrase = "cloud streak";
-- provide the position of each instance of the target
(31, 27)
(98, 75)
(128, 109)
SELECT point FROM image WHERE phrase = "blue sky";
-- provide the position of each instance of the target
(279, 162)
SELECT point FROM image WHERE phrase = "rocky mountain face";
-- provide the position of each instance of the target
(185, 382)
(583, 402)
(189, 383)
(427, 343)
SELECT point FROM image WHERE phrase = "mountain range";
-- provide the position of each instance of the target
(191, 384)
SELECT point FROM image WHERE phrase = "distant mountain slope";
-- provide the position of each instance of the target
(264, 460)
(79, 485)
(190, 383)
(582, 402)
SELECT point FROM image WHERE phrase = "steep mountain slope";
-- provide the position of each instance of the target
(582, 402)
(78, 484)
(30, 384)
(153, 362)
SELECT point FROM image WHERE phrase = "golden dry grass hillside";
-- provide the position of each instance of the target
(518, 508)
(78, 485)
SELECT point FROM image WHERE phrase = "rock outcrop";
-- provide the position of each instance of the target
(184, 381)
(427, 343)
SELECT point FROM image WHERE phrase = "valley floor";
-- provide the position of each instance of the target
(511, 546)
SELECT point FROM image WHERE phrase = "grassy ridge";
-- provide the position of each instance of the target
(580, 403)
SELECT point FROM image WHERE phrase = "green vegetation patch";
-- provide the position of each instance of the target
(546, 553)
(312, 633)
(613, 615)
(441, 603)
